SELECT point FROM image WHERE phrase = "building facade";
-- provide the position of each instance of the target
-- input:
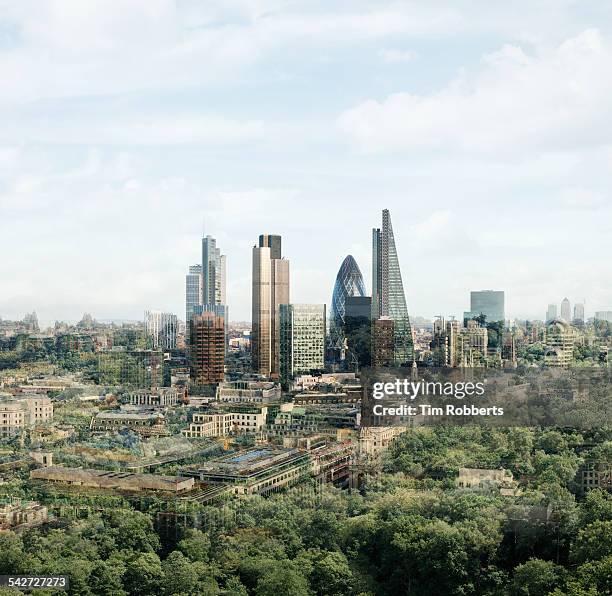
(207, 350)
(270, 290)
(193, 291)
(302, 339)
(161, 329)
(17, 414)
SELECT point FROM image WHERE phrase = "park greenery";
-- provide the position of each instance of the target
(409, 530)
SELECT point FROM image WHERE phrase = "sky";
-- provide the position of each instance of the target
(128, 128)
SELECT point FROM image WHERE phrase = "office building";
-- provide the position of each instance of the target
(383, 342)
(579, 314)
(388, 299)
(161, 329)
(302, 339)
(270, 290)
(193, 291)
(357, 328)
(603, 315)
(349, 283)
(490, 303)
(551, 313)
(214, 273)
(566, 310)
(207, 351)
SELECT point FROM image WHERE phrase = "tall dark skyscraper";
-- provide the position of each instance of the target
(349, 282)
(388, 299)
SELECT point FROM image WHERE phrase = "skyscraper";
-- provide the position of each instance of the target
(566, 310)
(579, 313)
(388, 299)
(270, 290)
(207, 351)
(551, 312)
(490, 303)
(161, 329)
(193, 291)
(213, 273)
(349, 282)
(302, 339)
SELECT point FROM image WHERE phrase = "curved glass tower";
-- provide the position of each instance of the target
(349, 282)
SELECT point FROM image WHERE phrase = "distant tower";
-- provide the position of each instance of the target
(566, 310)
(193, 291)
(551, 312)
(579, 313)
(213, 273)
(388, 299)
(270, 290)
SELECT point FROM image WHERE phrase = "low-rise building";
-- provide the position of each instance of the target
(257, 471)
(162, 397)
(16, 414)
(144, 423)
(237, 420)
(249, 391)
(17, 513)
(113, 480)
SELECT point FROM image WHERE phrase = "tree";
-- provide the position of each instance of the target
(144, 575)
(537, 578)
(281, 579)
(593, 542)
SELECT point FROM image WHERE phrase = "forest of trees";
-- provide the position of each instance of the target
(410, 531)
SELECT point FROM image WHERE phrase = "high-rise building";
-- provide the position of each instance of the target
(207, 350)
(566, 310)
(357, 327)
(551, 313)
(383, 342)
(270, 290)
(388, 299)
(579, 313)
(603, 315)
(490, 303)
(349, 282)
(193, 291)
(161, 329)
(213, 273)
(302, 339)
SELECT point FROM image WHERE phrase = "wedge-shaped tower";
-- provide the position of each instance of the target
(388, 299)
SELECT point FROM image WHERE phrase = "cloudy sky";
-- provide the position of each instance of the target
(127, 126)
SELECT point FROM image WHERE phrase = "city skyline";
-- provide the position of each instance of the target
(304, 121)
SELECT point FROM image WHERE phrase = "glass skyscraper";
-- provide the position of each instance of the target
(388, 299)
(490, 303)
(213, 273)
(349, 282)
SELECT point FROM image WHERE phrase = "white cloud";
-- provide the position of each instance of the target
(390, 55)
(513, 104)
